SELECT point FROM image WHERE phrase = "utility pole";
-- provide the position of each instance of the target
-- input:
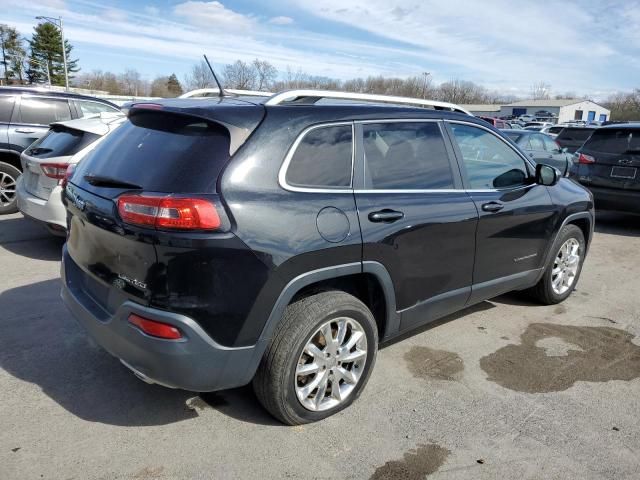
(424, 85)
(58, 23)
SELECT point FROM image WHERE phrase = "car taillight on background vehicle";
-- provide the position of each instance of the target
(169, 213)
(67, 175)
(586, 159)
(54, 170)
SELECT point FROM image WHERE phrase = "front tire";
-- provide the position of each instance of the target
(319, 359)
(563, 270)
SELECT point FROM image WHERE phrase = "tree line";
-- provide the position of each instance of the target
(39, 60)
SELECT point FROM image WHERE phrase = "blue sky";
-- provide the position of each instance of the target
(589, 47)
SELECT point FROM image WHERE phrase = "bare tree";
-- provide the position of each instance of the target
(624, 106)
(265, 74)
(541, 91)
(200, 77)
(462, 92)
(131, 83)
(159, 87)
(240, 75)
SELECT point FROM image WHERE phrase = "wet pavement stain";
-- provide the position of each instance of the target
(416, 464)
(560, 309)
(552, 358)
(428, 363)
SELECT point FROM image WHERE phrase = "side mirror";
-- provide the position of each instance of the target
(547, 175)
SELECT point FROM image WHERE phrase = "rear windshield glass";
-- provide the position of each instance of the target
(622, 140)
(162, 152)
(61, 142)
(579, 134)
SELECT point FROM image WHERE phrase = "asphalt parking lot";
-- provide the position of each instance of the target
(506, 389)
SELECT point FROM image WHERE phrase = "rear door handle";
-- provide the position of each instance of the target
(24, 130)
(386, 216)
(492, 207)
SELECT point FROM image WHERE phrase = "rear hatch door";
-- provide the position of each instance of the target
(155, 152)
(616, 152)
(572, 138)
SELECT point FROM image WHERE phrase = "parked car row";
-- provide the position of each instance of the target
(403, 215)
(25, 116)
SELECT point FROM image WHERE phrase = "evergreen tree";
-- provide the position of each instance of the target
(46, 47)
(13, 53)
(173, 86)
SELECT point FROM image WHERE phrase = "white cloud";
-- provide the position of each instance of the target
(281, 20)
(151, 10)
(213, 15)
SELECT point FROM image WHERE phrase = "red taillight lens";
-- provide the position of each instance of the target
(586, 159)
(169, 212)
(54, 170)
(67, 176)
(154, 328)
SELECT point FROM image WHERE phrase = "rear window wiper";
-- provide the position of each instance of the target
(108, 182)
(39, 150)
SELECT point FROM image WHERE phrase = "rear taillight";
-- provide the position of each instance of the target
(586, 159)
(169, 212)
(67, 176)
(54, 170)
(154, 328)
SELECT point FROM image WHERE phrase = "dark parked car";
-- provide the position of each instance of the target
(25, 115)
(215, 242)
(541, 148)
(609, 165)
(572, 138)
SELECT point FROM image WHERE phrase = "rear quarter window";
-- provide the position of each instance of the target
(162, 152)
(322, 158)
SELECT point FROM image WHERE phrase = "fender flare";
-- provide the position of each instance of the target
(326, 273)
(574, 216)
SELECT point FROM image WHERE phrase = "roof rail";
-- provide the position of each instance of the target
(312, 96)
(213, 92)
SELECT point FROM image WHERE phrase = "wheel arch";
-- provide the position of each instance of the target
(583, 220)
(11, 157)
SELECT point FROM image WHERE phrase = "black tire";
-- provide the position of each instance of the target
(543, 291)
(274, 383)
(8, 172)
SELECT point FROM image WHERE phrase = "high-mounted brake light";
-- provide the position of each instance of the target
(54, 170)
(148, 106)
(586, 159)
(67, 175)
(169, 212)
(154, 328)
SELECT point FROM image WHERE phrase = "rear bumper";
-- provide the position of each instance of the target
(50, 211)
(616, 199)
(195, 362)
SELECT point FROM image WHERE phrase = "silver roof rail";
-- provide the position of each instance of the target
(213, 92)
(312, 96)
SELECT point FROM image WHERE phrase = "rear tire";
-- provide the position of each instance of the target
(562, 272)
(8, 178)
(303, 377)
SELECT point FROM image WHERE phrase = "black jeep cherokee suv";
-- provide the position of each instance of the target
(215, 242)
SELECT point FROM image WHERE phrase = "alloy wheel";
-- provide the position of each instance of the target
(331, 364)
(7, 189)
(565, 266)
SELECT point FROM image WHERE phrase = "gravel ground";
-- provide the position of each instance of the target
(506, 389)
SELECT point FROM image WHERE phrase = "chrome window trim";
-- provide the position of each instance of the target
(282, 174)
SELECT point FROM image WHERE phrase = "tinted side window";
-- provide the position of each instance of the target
(323, 158)
(43, 111)
(489, 162)
(87, 108)
(407, 156)
(535, 142)
(6, 107)
(549, 144)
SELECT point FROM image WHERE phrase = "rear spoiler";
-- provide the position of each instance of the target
(240, 125)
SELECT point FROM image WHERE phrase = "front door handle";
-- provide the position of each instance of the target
(386, 216)
(492, 207)
(24, 130)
